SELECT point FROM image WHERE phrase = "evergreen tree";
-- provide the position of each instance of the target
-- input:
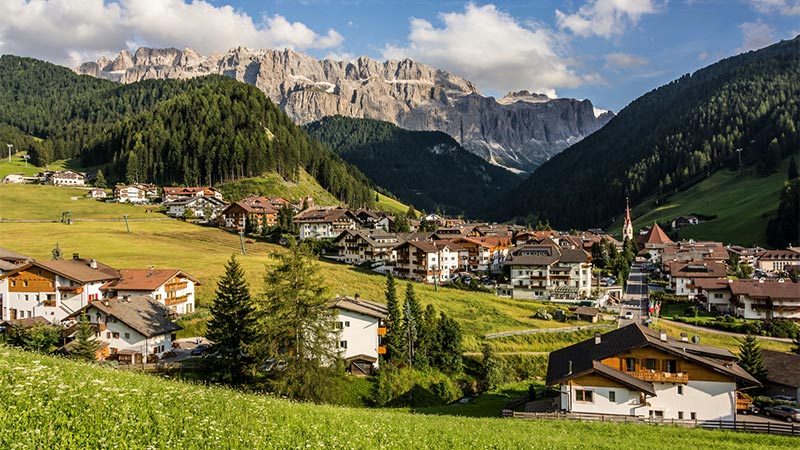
(492, 368)
(629, 250)
(85, 346)
(792, 168)
(411, 213)
(395, 342)
(412, 316)
(132, 168)
(426, 336)
(448, 345)
(750, 358)
(400, 225)
(600, 254)
(231, 324)
(100, 180)
(294, 328)
(56, 254)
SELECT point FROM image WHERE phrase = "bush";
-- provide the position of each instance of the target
(397, 387)
(782, 328)
(691, 311)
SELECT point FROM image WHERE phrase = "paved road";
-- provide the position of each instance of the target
(635, 296)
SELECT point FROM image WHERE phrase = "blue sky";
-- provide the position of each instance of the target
(609, 51)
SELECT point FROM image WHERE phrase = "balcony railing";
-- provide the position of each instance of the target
(661, 377)
(176, 286)
(169, 301)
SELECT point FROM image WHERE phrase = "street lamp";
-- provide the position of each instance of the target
(739, 151)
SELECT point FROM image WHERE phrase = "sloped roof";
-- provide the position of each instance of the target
(361, 306)
(322, 214)
(583, 355)
(26, 323)
(145, 279)
(782, 368)
(655, 236)
(144, 314)
(778, 255)
(695, 269)
(776, 290)
(74, 269)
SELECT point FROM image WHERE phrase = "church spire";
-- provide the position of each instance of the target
(627, 226)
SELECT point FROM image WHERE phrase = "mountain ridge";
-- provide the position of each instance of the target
(520, 131)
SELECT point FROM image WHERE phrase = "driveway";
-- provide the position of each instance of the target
(183, 348)
(635, 296)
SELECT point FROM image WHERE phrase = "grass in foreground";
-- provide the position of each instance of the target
(58, 404)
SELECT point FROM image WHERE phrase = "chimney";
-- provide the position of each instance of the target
(685, 337)
(93, 264)
(76, 256)
(357, 297)
(597, 339)
(150, 270)
(663, 336)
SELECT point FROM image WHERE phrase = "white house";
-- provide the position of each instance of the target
(135, 193)
(360, 325)
(175, 193)
(777, 260)
(9, 261)
(324, 222)
(761, 299)
(171, 288)
(96, 193)
(683, 275)
(198, 207)
(640, 372)
(359, 246)
(547, 271)
(427, 261)
(67, 178)
(136, 325)
(54, 289)
(14, 178)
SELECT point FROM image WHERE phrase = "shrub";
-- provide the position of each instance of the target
(691, 311)
(782, 328)
(419, 388)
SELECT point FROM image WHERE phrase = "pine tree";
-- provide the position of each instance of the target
(56, 253)
(412, 316)
(411, 213)
(294, 327)
(231, 324)
(492, 368)
(100, 180)
(85, 347)
(447, 355)
(395, 348)
(750, 358)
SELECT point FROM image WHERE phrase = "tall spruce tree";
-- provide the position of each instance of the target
(100, 180)
(750, 357)
(231, 324)
(85, 346)
(412, 318)
(295, 328)
(395, 343)
(447, 355)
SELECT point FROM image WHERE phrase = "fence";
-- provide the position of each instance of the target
(546, 330)
(161, 366)
(786, 429)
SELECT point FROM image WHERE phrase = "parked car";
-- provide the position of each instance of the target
(197, 351)
(785, 398)
(783, 412)
(628, 315)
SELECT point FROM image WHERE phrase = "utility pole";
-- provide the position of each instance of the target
(10, 146)
(739, 151)
(26, 157)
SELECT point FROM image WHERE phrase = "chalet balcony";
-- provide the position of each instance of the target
(74, 289)
(661, 377)
(169, 301)
(176, 286)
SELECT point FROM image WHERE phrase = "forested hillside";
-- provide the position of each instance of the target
(201, 131)
(671, 137)
(426, 168)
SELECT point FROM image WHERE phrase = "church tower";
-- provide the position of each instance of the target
(627, 226)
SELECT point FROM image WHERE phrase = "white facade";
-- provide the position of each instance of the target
(67, 178)
(54, 305)
(700, 400)
(120, 336)
(180, 300)
(543, 282)
(358, 334)
(323, 230)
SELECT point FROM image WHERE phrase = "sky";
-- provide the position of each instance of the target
(607, 51)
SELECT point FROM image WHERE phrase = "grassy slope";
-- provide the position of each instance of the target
(57, 404)
(17, 165)
(273, 185)
(743, 204)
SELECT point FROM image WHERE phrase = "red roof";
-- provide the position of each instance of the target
(655, 236)
(145, 279)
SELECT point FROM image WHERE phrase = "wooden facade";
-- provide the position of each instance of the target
(659, 358)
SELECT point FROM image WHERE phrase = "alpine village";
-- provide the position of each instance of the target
(265, 248)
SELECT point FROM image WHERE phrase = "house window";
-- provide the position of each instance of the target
(671, 366)
(612, 396)
(656, 414)
(127, 335)
(680, 415)
(630, 364)
(583, 396)
(24, 283)
(343, 344)
(680, 390)
(694, 416)
(13, 283)
(115, 335)
(650, 364)
(347, 323)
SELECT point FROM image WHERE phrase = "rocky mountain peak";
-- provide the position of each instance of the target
(519, 131)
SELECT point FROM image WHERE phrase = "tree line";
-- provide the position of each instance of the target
(671, 137)
(205, 130)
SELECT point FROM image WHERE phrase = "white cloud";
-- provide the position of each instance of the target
(74, 31)
(492, 49)
(606, 18)
(702, 56)
(783, 7)
(756, 35)
(624, 60)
